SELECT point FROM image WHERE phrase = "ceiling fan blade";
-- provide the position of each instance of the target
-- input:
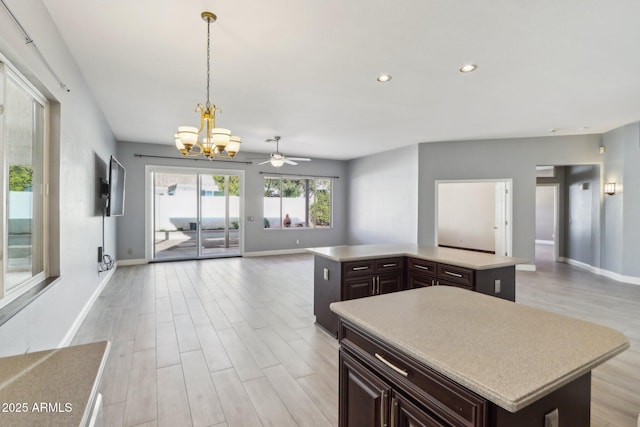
(300, 159)
(289, 162)
(265, 162)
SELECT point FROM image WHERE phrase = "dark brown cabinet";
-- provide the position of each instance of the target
(372, 277)
(340, 281)
(365, 400)
(381, 387)
(497, 282)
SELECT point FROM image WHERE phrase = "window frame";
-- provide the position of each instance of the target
(311, 179)
(15, 298)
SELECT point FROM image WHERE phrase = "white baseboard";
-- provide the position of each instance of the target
(66, 341)
(275, 252)
(602, 272)
(525, 267)
(126, 262)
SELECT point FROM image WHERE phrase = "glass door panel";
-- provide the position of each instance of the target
(175, 216)
(220, 215)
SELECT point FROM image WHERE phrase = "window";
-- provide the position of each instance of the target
(22, 178)
(297, 202)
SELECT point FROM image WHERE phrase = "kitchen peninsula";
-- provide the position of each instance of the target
(348, 272)
(442, 356)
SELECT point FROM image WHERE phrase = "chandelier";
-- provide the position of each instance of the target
(215, 142)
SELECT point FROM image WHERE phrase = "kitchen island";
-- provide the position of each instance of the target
(348, 272)
(442, 356)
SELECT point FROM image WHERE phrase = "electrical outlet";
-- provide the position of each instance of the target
(496, 286)
(326, 274)
(297, 242)
(99, 253)
(552, 419)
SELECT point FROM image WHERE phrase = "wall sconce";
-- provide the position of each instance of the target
(610, 188)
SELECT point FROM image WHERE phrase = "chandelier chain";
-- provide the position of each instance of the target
(208, 61)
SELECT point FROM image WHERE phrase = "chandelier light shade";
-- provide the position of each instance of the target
(215, 141)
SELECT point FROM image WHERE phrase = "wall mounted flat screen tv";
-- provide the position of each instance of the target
(115, 202)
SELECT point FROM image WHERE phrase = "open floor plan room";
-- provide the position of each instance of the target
(232, 342)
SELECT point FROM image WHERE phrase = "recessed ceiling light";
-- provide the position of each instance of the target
(467, 68)
(552, 130)
(382, 78)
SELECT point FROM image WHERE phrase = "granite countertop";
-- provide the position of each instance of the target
(458, 257)
(53, 387)
(508, 353)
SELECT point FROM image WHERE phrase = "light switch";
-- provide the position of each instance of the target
(552, 419)
(496, 286)
(326, 274)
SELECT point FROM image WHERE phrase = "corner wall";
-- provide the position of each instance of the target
(81, 144)
(383, 197)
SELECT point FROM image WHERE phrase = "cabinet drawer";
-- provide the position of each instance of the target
(356, 268)
(421, 266)
(455, 274)
(388, 264)
(448, 400)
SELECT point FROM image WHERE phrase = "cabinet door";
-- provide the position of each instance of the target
(405, 414)
(357, 287)
(389, 283)
(418, 280)
(364, 398)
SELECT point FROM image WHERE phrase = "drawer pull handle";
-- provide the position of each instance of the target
(359, 268)
(421, 267)
(389, 265)
(392, 366)
(452, 274)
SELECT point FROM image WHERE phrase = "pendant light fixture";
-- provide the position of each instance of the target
(215, 142)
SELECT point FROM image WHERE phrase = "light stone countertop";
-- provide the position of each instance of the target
(508, 353)
(52, 387)
(457, 257)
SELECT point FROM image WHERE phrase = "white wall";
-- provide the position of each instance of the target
(383, 197)
(81, 145)
(461, 227)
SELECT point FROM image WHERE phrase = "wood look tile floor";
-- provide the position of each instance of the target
(232, 342)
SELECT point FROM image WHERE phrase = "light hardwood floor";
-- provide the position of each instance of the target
(232, 342)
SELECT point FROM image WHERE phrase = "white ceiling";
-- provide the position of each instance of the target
(307, 70)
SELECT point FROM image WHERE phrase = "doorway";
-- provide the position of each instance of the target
(547, 224)
(193, 213)
(474, 215)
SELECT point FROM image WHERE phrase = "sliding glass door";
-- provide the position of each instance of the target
(195, 214)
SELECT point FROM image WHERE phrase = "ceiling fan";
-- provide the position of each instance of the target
(277, 159)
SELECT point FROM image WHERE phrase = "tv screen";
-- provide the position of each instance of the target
(115, 203)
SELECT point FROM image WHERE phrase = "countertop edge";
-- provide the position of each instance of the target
(442, 260)
(96, 385)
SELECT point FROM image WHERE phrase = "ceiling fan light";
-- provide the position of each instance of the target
(277, 162)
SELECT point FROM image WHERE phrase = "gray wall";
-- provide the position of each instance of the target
(383, 197)
(582, 194)
(131, 226)
(514, 159)
(621, 219)
(81, 145)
